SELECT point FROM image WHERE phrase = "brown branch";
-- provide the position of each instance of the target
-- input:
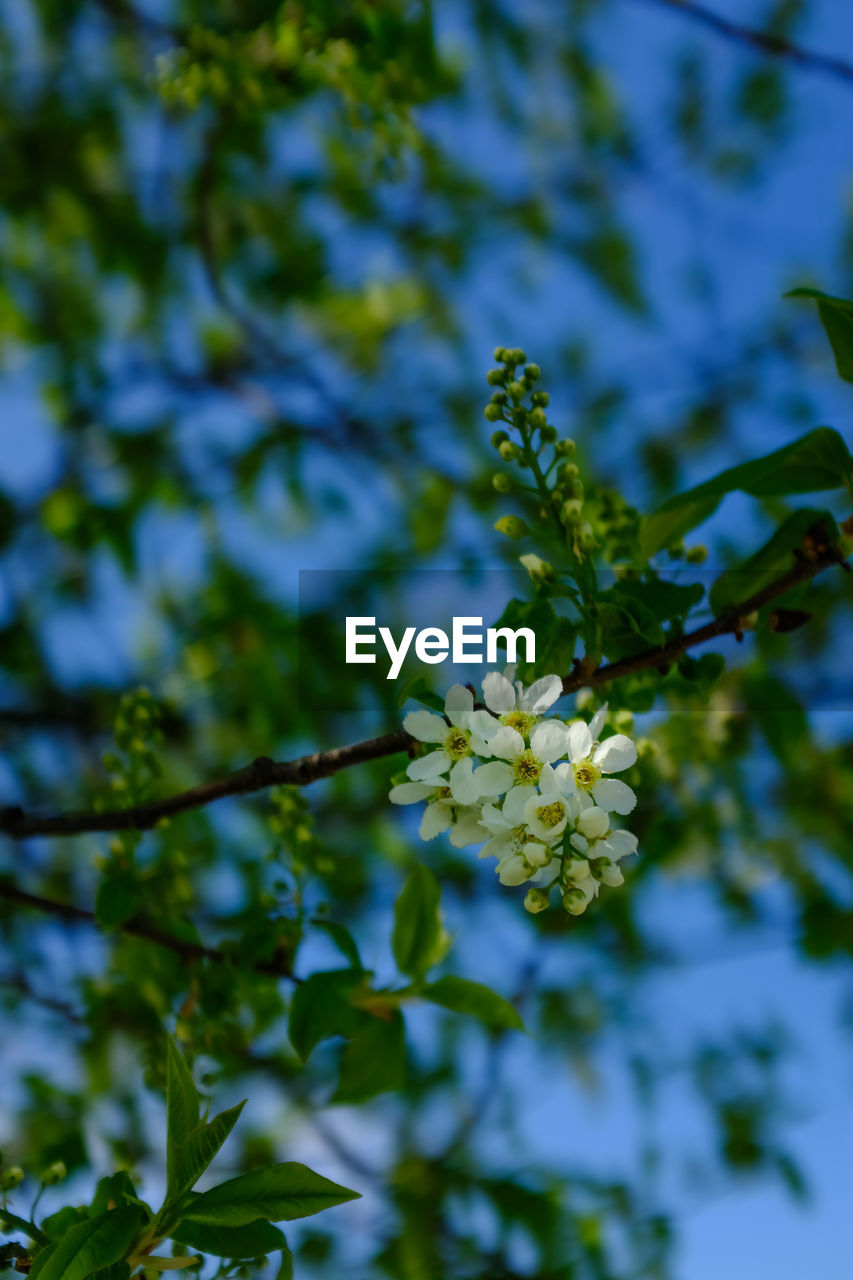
(187, 950)
(816, 556)
(761, 41)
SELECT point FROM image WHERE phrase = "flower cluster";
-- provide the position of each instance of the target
(537, 792)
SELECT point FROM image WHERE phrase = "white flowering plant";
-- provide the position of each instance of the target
(533, 790)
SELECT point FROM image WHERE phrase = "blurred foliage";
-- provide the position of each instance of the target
(252, 260)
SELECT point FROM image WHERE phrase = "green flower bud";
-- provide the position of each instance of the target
(541, 399)
(509, 451)
(676, 551)
(512, 527)
(11, 1178)
(574, 901)
(498, 438)
(623, 720)
(516, 390)
(501, 482)
(570, 512)
(538, 418)
(565, 447)
(536, 900)
(567, 471)
(496, 377)
(516, 355)
(697, 555)
(499, 397)
(499, 354)
(574, 488)
(54, 1174)
(532, 371)
(493, 413)
(548, 433)
(586, 538)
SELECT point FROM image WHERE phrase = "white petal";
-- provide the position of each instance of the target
(484, 724)
(425, 726)
(597, 722)
(494, 819)
(548, 780)
(507, 743)
(437, 818)
(565, 776)
(498, 693)
(614, 796)
(548, 874)
(458, 704)
(497, 847)
(493, 779)
(619, 844)
(410, 792)
(548, 741)
(467, 830)
(577, 870)
(579, 843)
(578, 741)
(515, 802)
(593, 823)
(615, 754)
(429, 768)
(542, 694)
(463, 786)
(513, 870)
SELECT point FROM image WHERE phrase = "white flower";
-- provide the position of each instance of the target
(513, 705)
(591, 760)
(547, 816)
(457, 744)
(519, 857)
(441, 814)
(518, 763)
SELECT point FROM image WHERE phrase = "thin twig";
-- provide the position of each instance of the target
(187, 950)
(264, 772)
(761, 41)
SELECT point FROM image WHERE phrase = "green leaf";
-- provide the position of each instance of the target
(92, 1245)
(321, 1007)
(769, 562)
(417, 926)
(41, 1260)
(342, 939)
(779, 714)
(374, 1061)
(419, 690)
(476, 1000)
(819, 460)
(192, 1156)
(58, 1223)
(249, 1241)
(117, 900)
(836, 316)
(181, 1106)
(280, 1192)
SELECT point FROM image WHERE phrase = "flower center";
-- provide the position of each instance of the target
(442, 793)
(550, 814)
(586, 774)
(526, 767)
(456, 744)
(520, 721)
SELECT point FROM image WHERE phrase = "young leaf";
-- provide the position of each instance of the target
(92, 1245)
(117, 900)
(250, 1241)
(342, 939)
(819, 460)
(476, 1000)
(154, 1263)
(191, 1157)
(280, 1192)
(836, 315)
(417, 926)
(374, 1061)
(181, 1106)
(321, 1007)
